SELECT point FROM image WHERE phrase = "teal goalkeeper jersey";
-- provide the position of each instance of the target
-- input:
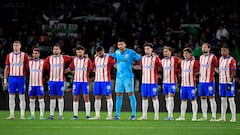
(125, 62)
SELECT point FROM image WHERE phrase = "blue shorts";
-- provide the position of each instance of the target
(56, 88)
(16, 83)
(36, 91)
(149, 90)
(206, 89)
(126, 84)
(227, 90)
(103, 88)
(80, 86)
(169, 88)
(188, 93)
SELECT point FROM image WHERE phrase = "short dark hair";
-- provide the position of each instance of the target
(80, 48)
(225, 46)
(122, 40)
(99, 48)
(58, 45)
(189, 50)
(168, 47)
(149, 45)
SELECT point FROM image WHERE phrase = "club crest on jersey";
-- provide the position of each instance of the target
(154, 89)
(173, 87)
(210, 88)
(126, 56)
(108, 87)
(193, 91)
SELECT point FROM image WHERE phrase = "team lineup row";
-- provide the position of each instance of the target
(56, 65)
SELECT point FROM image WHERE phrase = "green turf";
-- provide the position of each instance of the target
(121, 127)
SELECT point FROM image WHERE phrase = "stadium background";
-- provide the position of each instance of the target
(185, 23)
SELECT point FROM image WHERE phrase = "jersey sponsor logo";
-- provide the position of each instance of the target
(101, 66)
(224, 68)
(16, 64)
(56, 65)
(205, 65)
(35, 70)
(168, 68)
(186, 70)
(148, 67)
(80, 69)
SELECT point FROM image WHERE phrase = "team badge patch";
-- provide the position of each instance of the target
(173, 87)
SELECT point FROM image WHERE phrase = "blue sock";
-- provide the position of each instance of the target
(118, 104)
(133, 103)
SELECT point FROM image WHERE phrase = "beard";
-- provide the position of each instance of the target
(205, 51)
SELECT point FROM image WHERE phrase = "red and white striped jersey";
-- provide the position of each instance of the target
(150, 66)
(102, 67)
(56, 64)
(170, 70)
(81, 65)
(17, 63)
(207, 65)
(189, 68)
(36, 72)
(226, 65)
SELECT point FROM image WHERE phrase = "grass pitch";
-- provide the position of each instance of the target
(111, 127)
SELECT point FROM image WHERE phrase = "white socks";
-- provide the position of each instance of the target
(224, 105)
(41, 106)
(213, 107)
(144, 107)
(52, 106)
(166, 99)
(109, 106)
(87, 108)
(75, 108)
(22, 104)
(170, 106)
(194, 109)
(156, 107)
(232, 107)
(183, 108)
(97, 106)
(204, 106)
(11, 104)
(60, 106)
(32, 107)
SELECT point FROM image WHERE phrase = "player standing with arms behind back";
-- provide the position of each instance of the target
(208, 62)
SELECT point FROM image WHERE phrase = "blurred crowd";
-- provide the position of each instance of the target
(187, 23)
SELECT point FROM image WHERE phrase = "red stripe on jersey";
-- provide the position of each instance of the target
(103, 68)
(36, 72)
(17, 63)
(226, 65)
